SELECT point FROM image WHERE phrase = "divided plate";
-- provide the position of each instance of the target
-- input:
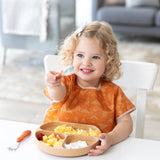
(48, 129)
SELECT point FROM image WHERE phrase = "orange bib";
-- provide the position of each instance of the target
(96, 106)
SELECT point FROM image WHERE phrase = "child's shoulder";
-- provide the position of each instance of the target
(109, 85)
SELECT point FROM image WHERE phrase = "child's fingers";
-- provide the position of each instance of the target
(49, 76)
(95, 152)
(58, 75)
(101, 136)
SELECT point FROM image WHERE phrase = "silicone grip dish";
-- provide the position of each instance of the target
(48, 128)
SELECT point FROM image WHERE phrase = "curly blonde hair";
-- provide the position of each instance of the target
(102, 31)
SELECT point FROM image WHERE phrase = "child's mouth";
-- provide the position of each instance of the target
(86, 71)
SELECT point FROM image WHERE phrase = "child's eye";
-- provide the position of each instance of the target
(80, 55)
(96, 57)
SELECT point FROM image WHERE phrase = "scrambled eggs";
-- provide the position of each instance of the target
(69, 130)
(52, 140)
(56, 141)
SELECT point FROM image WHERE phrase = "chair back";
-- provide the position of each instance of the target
(138, 75)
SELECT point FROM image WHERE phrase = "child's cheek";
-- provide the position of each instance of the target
(75, 62)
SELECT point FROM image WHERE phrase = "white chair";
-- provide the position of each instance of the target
(138, 75)
(141, 76)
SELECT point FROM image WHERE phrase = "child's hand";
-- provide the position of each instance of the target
(53, 79)
(59, 75)
(105, 144)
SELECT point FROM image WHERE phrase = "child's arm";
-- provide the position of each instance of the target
(56, 89)
(121, 131)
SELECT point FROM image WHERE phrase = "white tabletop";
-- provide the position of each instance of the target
(130, 149)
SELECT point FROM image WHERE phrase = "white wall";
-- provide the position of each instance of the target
(83, 12)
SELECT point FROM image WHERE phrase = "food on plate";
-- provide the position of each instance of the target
(70, 130)
(40, 136)
(75, 145)
(51, 140)
(66, 139)
(58, 137)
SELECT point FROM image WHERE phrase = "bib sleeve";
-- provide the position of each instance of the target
(123, 105)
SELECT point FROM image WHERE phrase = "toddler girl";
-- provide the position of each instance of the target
(89, 96)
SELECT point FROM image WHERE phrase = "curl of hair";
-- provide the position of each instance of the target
(102, 31)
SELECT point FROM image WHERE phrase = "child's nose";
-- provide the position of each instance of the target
(87, 62)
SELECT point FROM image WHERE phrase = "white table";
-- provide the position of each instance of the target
(130, 149)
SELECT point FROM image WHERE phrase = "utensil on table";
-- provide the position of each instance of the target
(15, 146)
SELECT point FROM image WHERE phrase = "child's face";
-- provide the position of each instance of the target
(89, 62)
